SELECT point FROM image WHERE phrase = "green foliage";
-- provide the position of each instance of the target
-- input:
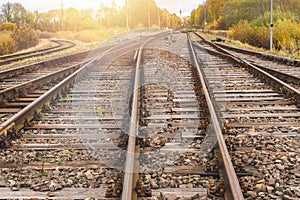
(7, 44)
(41, 174)
(99, 113)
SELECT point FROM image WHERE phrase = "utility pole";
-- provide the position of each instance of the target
(205, 18)
(167, 21)
(62, 18)
(180, 11)
(158, 17)
(75, 27)
(127, 23)
(271, 26)
(149, 23)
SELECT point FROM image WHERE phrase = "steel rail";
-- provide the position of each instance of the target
(235, 189)
(22, 56)
(13, 92)
(281, 75)
(8, 73)
(128, 182)
(58, 44)
(285, 88)
(15, 123)
(276, 73)
(271, 57)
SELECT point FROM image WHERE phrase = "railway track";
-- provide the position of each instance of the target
(172, 129)
(60, 46)
(286, 69)
(185, 122)
(22, 85)
(76, 131)
(260, 123)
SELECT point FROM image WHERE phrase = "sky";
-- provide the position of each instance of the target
(173, 6)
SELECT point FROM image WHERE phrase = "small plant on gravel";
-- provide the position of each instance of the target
(61, 98)
(99, 113)
(48, 103)
(41, 174)
(68, 98)
(68, 149)
(43, 115)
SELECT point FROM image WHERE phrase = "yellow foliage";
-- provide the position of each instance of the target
(8, 26)
(241, 31)
(286, 33)
(7, 44)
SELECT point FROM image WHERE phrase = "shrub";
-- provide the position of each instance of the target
(7, 44)
(44, 34)
(241, 31)
(8, 27)
(286, 35)
(25, 37)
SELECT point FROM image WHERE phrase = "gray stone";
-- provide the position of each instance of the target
(2, 183)
(89, 175)
(54, 186)
(171, 197)
(51, 194)
(252, 194)
(287, 197)
(15, 189)
(270, 189)
(272, 181)
(278, 193)
(153, 184)
(70, 183)
(272, 196)
(261, 194)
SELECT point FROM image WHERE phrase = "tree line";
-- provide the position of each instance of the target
(249, 21)
(14, 19)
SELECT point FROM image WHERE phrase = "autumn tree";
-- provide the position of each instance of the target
(15, 13)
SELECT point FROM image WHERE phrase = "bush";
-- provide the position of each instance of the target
(287, 35)
(25, 37)
(44, 34)
(7, 44)
(8, 27)
(242, 32)
(93, 35)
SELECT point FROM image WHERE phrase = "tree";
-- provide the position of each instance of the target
(7, 12)
(16, 13)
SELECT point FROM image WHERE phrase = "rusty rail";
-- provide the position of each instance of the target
(62, 45)
(128, 183)
(22, 89)
(16, 122)
(234, 186)
(270, 76)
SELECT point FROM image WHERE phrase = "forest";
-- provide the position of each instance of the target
(249, 21)
(21, 28)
